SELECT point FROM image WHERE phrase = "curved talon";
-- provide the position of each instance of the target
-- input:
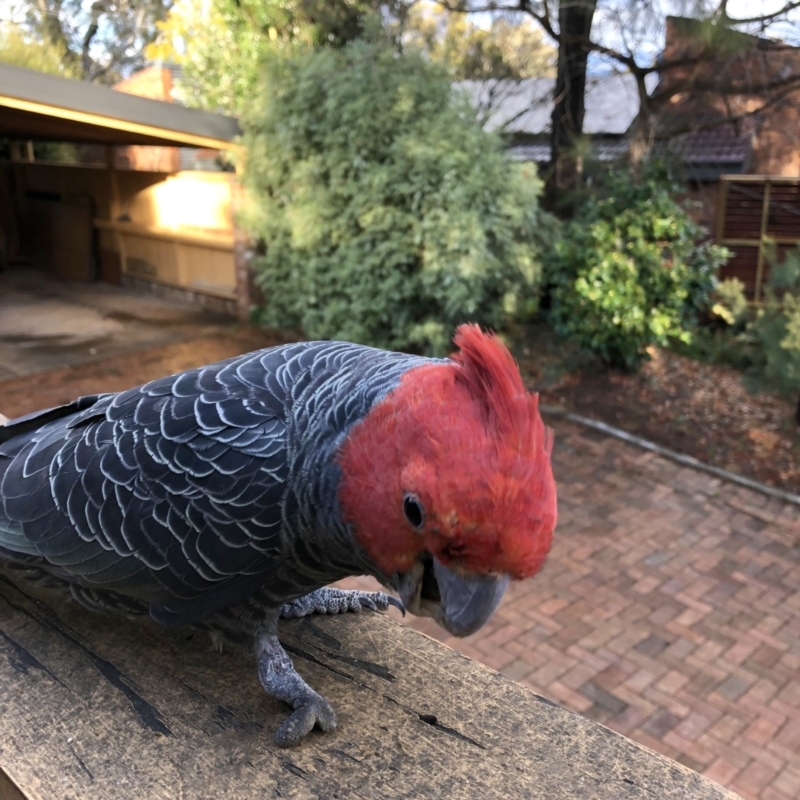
(393, 601)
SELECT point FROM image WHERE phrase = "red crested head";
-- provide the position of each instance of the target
(453, 465)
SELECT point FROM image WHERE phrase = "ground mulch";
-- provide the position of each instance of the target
(700, 409)
(695, 408)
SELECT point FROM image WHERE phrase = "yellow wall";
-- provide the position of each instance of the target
(191, 201)
(173, 229)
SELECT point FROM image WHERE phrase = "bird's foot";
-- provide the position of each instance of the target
(280, 679)
(339, 601)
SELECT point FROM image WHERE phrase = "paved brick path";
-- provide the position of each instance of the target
(669, 610)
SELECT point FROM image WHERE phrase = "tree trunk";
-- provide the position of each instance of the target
(643, 131)
(566, 163)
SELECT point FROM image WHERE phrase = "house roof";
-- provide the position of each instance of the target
(717, 145)
(525, 107)
(713, 146)
(706, 154)
(38, 106)
(608, 150)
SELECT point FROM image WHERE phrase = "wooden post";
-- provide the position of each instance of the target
(762, 242)
(95, 707)
(115, 207)
(719, 217)
(247, 293)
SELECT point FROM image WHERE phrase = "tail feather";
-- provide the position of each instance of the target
(12, 428)
(15, 434)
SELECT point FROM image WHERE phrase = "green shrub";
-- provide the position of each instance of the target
(389, 216)
(777, 326)
(729, 302)
(630, 271)
(724, 337)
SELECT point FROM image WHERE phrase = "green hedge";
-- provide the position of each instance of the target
(388, 214)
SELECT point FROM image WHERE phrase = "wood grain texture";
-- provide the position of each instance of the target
(97, 707)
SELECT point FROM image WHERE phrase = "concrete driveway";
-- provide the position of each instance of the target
(46, 323)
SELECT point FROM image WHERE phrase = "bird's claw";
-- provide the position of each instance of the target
(339, 601)
(378, 601)
(311, 710)
(397, 603)
(280, 680)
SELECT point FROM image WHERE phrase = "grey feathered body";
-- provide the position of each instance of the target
(192, 492)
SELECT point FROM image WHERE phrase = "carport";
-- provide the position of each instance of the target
(169, 232)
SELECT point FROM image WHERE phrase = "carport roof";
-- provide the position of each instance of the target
(38, 106)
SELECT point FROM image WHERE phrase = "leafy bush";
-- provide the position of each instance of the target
(389, 215)
(630, 271)
(724, 336)
(777, 326)
(729, 301)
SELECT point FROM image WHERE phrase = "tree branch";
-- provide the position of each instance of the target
(97, 10)
(772, 17)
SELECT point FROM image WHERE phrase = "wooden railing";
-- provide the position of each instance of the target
(95, 708)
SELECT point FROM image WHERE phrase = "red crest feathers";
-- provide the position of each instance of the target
(490, 373)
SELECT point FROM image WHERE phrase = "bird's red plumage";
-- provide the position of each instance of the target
(466, 438)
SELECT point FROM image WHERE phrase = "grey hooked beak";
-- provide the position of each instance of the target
(460, 603)
(467, 600)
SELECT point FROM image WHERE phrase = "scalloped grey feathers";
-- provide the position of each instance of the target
(194, 490)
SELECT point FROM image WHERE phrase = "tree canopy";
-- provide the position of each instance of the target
(102, 41)
(221, 44)
(22, 50)
(510, 46)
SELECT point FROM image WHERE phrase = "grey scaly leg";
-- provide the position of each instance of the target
(338, 601)
(257, 618)
(278, 675)
(280, 679)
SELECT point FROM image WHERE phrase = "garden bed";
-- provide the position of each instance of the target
(700, 409)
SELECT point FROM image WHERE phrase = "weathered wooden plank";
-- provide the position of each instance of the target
(95, 707)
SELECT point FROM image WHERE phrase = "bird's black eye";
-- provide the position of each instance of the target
(412, 508)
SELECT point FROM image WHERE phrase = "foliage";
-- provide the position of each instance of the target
(630, 271)
(219, 55)
(22, 50)
(730, 303)
(389, 216)
(509, 48)
(777, 326)
(102, 41)
(221, 44)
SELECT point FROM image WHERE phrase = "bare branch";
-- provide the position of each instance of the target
(98, 9)
(763, 18)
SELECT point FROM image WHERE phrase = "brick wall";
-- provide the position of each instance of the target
(752, 76)
(153, 82)
(156, 83)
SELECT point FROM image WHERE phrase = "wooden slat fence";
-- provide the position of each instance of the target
(757, 215)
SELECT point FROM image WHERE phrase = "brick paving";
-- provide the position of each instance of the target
(669, 610)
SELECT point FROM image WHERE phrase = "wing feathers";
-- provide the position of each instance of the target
(183, 491)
